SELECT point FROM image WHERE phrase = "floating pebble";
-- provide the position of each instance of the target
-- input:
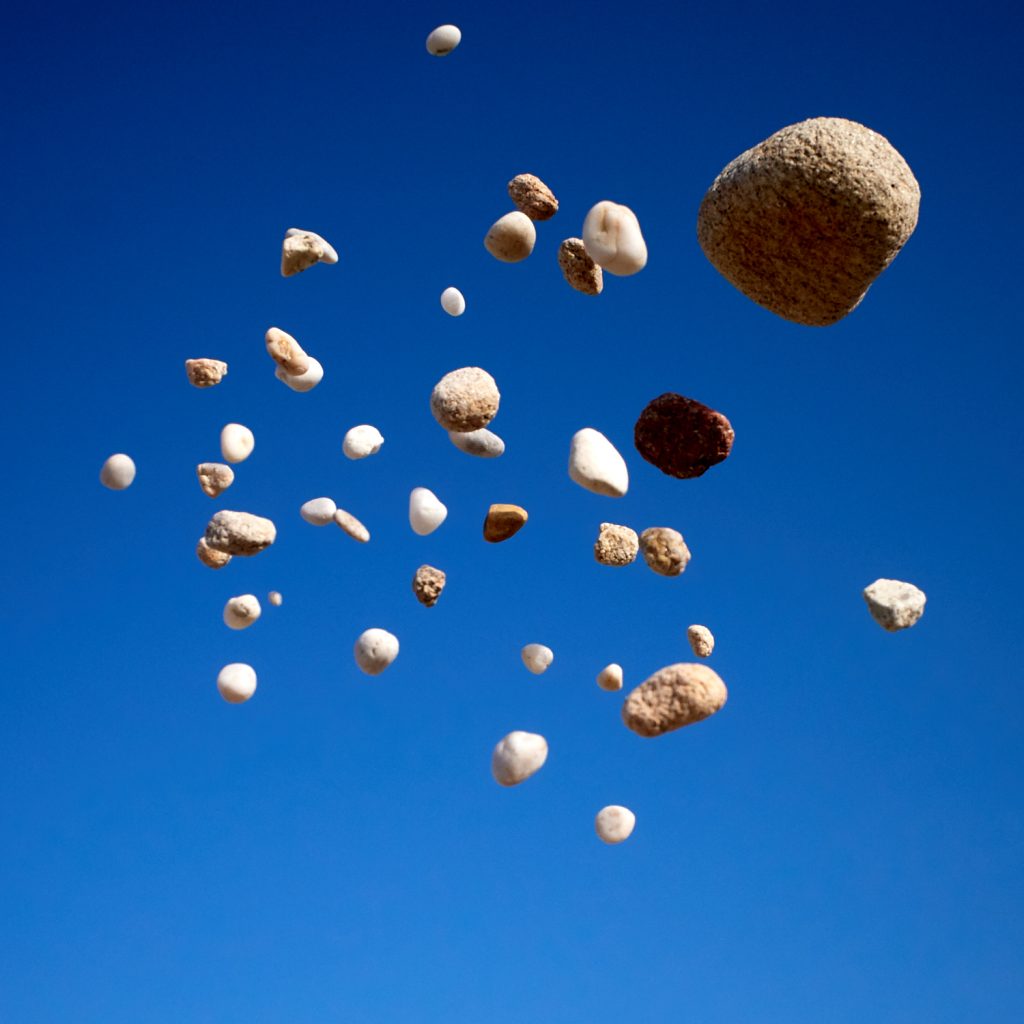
(681, 436)
(532, 197)
(894, 605)
(465, 399)
(236, 682)
(511, 238)
(236, 442)
(443, 40)
(352, 526)
(518, 756)
(614, 824)
(453, 302)
(427, 585)
(701, 640)
(302, 249)
(214, 477)
(118, 472)
(674, 696)
(664, 550)
(594, 463)
(318, 511)
(362, 441)
(275, 598)
(616, 545)
(503, 521)
(426, 511)
(481, 443)
(578, 268)
(613, 240)
(287, 352)
(210, 556)
(375, 650)
(242, 611)
(205, 373)
(537, 658)
(610, 677)
(240, 533)
(305, 381)
(806, 220)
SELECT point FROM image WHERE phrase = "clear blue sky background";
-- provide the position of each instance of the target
(843, 843)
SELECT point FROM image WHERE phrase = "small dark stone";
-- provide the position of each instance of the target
(682, 436)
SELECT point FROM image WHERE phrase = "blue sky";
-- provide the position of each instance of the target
(841, 843)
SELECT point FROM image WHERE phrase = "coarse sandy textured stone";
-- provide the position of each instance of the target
(236, 442)
(205, 373)
(616, 545)
(426, 511)
(595, 463)
(302, 249)
(362, 441)
(240, 533)
(210, 556)
(610, 677)
(275, 598)
(578, 268)
(305, 381)
(453, 302)
(613, 239)
(481, 443)
(465, 399)
(236, 682)
(427, 585)
(351, 526)
(664, 550)
(242, 611)
(118, 472)
(614, 824)
(518, 756)
(214, 477)
(681, 436)
(287, 352)
(503, 521)
(674, 696)
(375, 650)
(318, 511)
(894, 605)
(532, 197)
(511, 238)
(803, 222)
(701, 640)
(443, 39)
(537, 658)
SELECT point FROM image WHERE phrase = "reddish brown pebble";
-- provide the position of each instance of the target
(681, 436)
(427, 585)
(503, 521)
(578, 268)
(532, 197)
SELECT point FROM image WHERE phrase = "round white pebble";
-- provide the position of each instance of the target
(426, 511)
(614, 824)
(236, 682)
(518, 756)
(362, 441)
(453, 302)
(537, 658)
(118, 472)
(304, 381)
(275, 598)
(610, 677)
(241, 611)
(443, 40)
(375, 650)
(319, 511)
(236, 442)
(613, 240)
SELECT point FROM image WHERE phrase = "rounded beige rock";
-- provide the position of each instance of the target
(443, 39)
(610, 678)
(532, 197)
(205, 373)
(518, 756)
(616, 545)
(118, 472)
(275, 598)
(537, 658)
(236, 442)
(287, 352)
(362, 441)
(503, 521)
(375, 650)
(578, 268)
(511, 238)
(318, 511)
(236, 682)
(427, 585)
(613, 239)
(675, 696)
(614, 824)
(664, 550)
(701, 640)
(465, 399)
(210, 556)
(302, 250)
(351, 526)
(240, 533)
(214, 477)
(242, 611)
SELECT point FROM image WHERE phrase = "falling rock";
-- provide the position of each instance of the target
(375, 650)
(610, 677)
(894, 605)
(275, 598)
(701, 640)
(616, 545)
(287, 352)
(351, 526)
(118, 472)
(426, 511)
(304, 381)
(240, 533)
(674, 696)
(443, 39)
(664, 550)
(595, 464)
(205, 373)
(453, 302)
(481, 443)
(214, 477)
(511, 238)
(518, 756)
(503, 521)
(681, 436)
(465, 399)
(210, 556)
(613, 240)
(362, 441)
(614, 824)
(236, 682)
(537, 658)
(578, 268)
(318, 511)
(236, 443)
(427, 585)
(532, 197)
(242, 611)
(302, 249)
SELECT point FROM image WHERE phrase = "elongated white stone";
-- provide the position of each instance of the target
(352, 526)
(481, 443)
(236, 682)
(426, 511)
(319, 511)
(518, 756)
(594, 463)
(614, 824)
(304, 381)
(537, 658)
(118, 472)
(375, 650)
(241, 611)
(236, 442)
(362, 441)
(453, 302)
(613, 240)
(443, 40)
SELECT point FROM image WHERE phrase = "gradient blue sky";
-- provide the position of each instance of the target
(842, 844)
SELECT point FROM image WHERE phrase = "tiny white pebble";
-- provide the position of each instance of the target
(614, 824)
(242, 611)
(236, 682)
(362, 441)
(318, 511)
(304, 381)
(118, 472)
(236, 442)
(537, 658)
(453, 302)
(443, 40)
(610, 677)
(426, 511)
(275, 598)
(375, 650)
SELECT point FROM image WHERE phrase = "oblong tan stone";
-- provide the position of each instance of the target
(673, 697)
(503, 521)
(532, 197)
(240, 533)
(578, 268)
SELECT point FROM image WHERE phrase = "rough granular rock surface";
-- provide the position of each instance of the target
(427, 585)
(240, 533)
(674, 696)
(465, 399)
(532, 197)
(214, 477)
(578, 268)
(664, 550)
(210, 556)
(616, 545)
(681, 436)
(302, 249)
(701, 640)
(205, 373)
(503, 521)
(803, 222)
(894, 605)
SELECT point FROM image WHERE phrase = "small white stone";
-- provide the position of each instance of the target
(614, 824)
(537, 658)
(362, 441)
(242, 611)
(236, 682)
(701, 640)
(518, 756)
(453, 302)
(304, 381)
(318, 511)
(610, 677)
(375, 650)
(426, 512)
(118, 472)
(236, 442)
(352, 526)
(613, 240)
(894, 605)
(594, 463)
(443, 40)
(481, 443)
(302, 249)
(275, 598)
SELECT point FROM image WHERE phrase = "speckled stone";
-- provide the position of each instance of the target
(616, 545)
(503, 521)
(427, 585)
(240, 533)
(214, 477)
(210, 557)
(205, 373)
(673, 697)
(702, 642)
(532, 197)
(465, 399)
(578, 268)
(664, 550)
(894, 605)
(681, 436)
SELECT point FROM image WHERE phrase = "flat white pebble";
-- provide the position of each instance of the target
(613, 240)
(241, 611)
(537, 658)
(236, 442)
(362, 441)
(236, 682)
(304, 381)
(319, 511)
(426, 511)
(610, 677)
(352, 526)
(118, 472)
(595, 463)
(453, 302)
(275, 598)
(518, 756)
(482, 443)
(614, 824)
(375, 650)
(443, 40)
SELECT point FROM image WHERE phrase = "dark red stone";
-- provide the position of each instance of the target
(682, 436)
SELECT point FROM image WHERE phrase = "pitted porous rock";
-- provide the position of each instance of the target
(205, 373)
(894, 605)
(465, 399)
(511, 238)
(210, 556)
(578, 268)
(427, 585)
(681, 436)
(701, 640)
(532, 197)
(240, 533)
(664, 550)
(674, 696)
(302, 249)
(286, 352)
(503, 521)
(214, 477)
(616, 545)
(803, 222)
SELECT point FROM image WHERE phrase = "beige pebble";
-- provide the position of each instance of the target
(701, 640)
(443, 39)
(287, 352)
(275, 598)
(118, 472)
(664, 550)
(465, 399)
(518, 756)
(595, 464)
(427, 585)
(610, 677)
(236, 682)
(362, 441)
(236, 442)
(205, 373)
(375, 650)
(351, 526)
(214, 477)
(242, 611)
(532, 197)
(674, 696)
(318, 511)
(511, 238)
(616, 545)
(304, 382)
(453, 302)
(613, 240)
(503, 521)
(240, 533)
(537, 658)
(578, 268)
(894, 605)
(614, 824)
(302, 249)
(211, 556)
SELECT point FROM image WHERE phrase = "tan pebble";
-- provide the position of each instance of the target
(511, 238)
(118, 472)
(242, 611)
(664, 550)
(895, 605)
(214, 477)
(443, 39)
(532, 197)
(302, 249)
(240, 533)
(518, 756)
(205, 373)
(275, 598)
(352, 526)
(210, 556)
(701, 640)
(616, 545)
(614, 824)
(578, 268)
(503, 521)
(236, 682)
(286, 352)
(674, 696)
(610, 677)
(427, 585)
(465, 399)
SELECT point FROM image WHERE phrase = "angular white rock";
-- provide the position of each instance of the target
(453, 302)
(614, 824)
(118, 472)
(610, 677)
(613, 240)
(275, 598)
(236, 442)
(236, 682)
(894, 605)
(594, 463)
(518, 756)
(305, 381)
(242, 611)
(362, 441)
(375, 650)
(537, 658)
(443, 40)
(426, 512)
(481, 443)
(319, 511)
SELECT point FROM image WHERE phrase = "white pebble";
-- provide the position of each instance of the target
(453, 302)
(594, 463)
(375, 650)
(118, 472)
(236, 682)
(362, 441)
(304, 381)
(481, 443)
(701, 640)
(614, 824)
(537, 658)
(319, 511)
(518, 756)
(352, 526)
(610, 677)
(275, 598)
(242, 611)
(426, 511)
(236, 442)
(443, 40)
(894, 605)
(613, 240)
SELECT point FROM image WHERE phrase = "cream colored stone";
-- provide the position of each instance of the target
(894, 605)
(205, 373)
(594, 463)
(481, 443)
(673, 697)
(302, 249)
(236, 682)
(426, 511)
(351, 526)
(616, 545)
(287, 352)
(304, 382)
(701, 640)
(214, 477)
(537, 658)
(465, 399)
(210, 556)
(613, 240)
(518, 756)
(318, 511)
(453, 302)
(118, 472)
(362, 441)
(275, 598)
(614, 824)
(236, 443)
(375, 650)
(532, 197)
(511, 238)
(242, 611)
(443, 39)
(240, 533)
(664, 550)
(610, 677)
